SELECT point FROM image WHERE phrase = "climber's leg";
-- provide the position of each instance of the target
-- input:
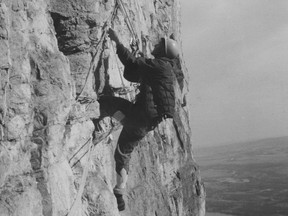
(136, 126)
(109, 105)
(122, 178)
(128, 140)
(119, 189)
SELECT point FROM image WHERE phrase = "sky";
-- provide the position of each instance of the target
(236, 52)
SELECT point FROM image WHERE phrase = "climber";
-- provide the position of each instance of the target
(155, 102)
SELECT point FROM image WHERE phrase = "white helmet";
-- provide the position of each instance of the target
(171, 48)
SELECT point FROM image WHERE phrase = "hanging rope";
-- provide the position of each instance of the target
(82, 183)
(128, 21)
(97, 47)
(99, 141)
(77, 200)
(78, 151)
(5, 89)
(134, 43)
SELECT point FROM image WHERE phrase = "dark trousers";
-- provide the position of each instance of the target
(135, 126)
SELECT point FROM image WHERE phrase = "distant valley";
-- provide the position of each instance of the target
(249, 179)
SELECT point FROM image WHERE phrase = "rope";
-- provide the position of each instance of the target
(78, 151)
(85, 174)
(82, 183)
(103, 36)
(5, 89)
(128, 21)
(102, 138)
(91, 68)
(92, 65)
(135, 42)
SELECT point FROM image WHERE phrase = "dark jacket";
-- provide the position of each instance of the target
(157, 79)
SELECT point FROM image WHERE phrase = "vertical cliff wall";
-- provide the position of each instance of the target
(54, 53)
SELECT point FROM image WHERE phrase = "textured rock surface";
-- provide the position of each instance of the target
(52, 51)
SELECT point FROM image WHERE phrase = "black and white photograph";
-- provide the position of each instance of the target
(143, 108)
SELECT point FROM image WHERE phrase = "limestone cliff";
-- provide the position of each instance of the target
(52, 54)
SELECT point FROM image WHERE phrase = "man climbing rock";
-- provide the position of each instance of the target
(155, 102)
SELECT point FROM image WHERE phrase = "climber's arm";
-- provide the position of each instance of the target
(129, 60)
(134, 66)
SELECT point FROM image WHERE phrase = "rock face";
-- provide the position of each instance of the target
(52, 54)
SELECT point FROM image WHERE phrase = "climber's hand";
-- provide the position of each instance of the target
(113, 36)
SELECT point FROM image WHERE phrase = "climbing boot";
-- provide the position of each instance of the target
(118, 192)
